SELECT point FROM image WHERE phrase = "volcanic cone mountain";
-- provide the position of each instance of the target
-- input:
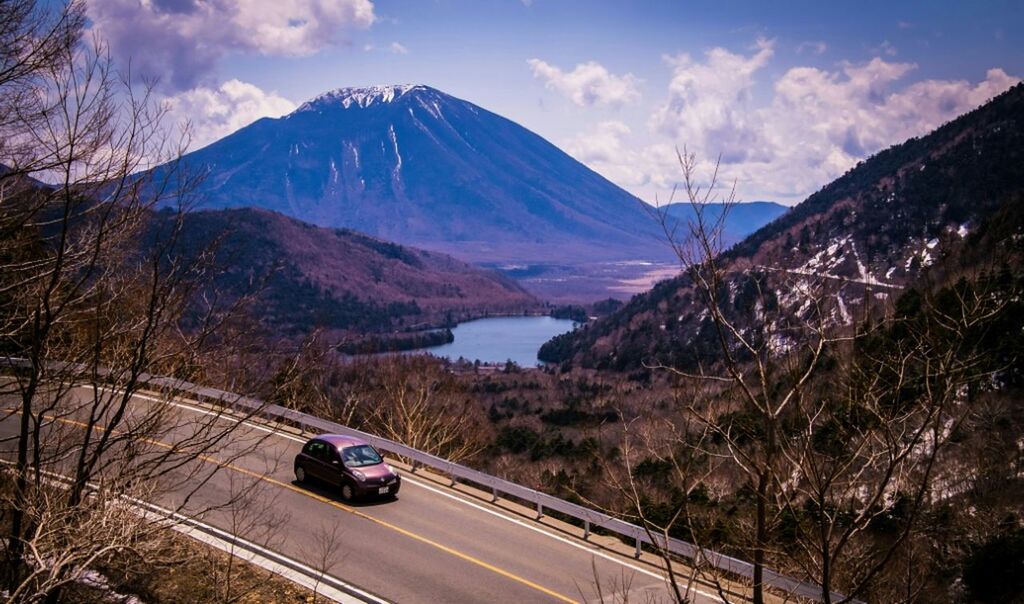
(417, 166)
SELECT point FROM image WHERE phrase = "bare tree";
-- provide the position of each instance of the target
(324, 554)
(252, 514)
(674, 448)
(67, 543)
(411, 400)
(830, 427)
(306, 380)
(878, 442)
(94, 294)
(766, 363)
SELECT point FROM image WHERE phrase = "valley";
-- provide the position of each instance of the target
(583, 361)
(585, 283)
(381, 161)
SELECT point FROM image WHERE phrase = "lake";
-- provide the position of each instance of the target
(498, 339)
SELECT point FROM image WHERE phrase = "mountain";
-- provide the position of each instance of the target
(414, 165)
(741, 220)
(306, 276)
(915, 210)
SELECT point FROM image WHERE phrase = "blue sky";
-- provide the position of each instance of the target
(790, 93)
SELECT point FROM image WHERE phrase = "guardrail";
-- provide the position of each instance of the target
(543, 501)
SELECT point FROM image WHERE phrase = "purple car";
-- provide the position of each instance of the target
(349, 463)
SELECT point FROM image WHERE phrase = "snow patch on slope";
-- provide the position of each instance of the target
(432, 108)
(359, 97)
(355, 154)
(398, 156)
(843, 312)
(825, 262)
(922, 255)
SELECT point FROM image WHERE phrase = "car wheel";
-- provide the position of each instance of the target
(300, 474)
(347, 492)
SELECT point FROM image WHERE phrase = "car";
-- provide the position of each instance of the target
(349, 463)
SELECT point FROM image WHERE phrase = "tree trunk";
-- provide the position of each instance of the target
(762, 537)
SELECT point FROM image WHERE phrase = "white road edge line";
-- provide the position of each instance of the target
(242, 548)
(409, 478)
(258, 555)
(255, 559)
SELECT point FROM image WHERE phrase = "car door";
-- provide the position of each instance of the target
(316, 452)
(306, 460)
(333, 469)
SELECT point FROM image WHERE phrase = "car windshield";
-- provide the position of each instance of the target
(360, 455)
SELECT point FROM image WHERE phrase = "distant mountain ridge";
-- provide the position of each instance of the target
(307, 277)
(419, 167)
(872, 232)
(741, 220)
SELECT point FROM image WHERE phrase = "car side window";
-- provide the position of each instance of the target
(317, 450)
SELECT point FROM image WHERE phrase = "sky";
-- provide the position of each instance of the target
(789, 95)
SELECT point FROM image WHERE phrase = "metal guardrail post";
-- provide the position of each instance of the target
(638, 544)
(586, 529)
(540, 510)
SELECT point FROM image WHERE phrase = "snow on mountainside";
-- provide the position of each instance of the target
(908, 212)
(361, 97)
(414, 165)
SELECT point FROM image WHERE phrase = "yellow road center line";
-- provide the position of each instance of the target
(340, 506)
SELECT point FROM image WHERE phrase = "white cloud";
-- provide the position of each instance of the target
(213, 113)
(180, 41)
(821, 123)
(807, 128)
(605, 151)
(588, 84)
(603, 145)
(710, 104)
(398, 49)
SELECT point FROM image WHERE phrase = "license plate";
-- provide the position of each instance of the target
(382, 491)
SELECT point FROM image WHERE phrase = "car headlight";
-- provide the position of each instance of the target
(392, 470)
(359, 475)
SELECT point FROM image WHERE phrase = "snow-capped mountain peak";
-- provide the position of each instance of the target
(412, 164)
(360, 97)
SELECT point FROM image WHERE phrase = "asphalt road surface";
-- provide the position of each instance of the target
(432, 544)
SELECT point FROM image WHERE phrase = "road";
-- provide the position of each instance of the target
(432, 544)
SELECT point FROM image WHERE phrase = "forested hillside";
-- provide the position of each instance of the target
(304, 277)
(870, 234)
